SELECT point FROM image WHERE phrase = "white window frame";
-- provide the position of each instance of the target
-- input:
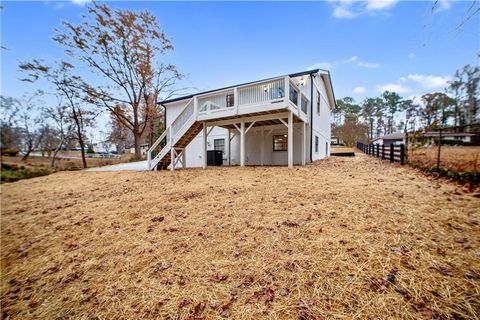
(319, 102)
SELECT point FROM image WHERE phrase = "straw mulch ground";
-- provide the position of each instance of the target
(464, 159)
(344, 238)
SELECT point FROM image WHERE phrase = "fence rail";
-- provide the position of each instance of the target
(393, 153)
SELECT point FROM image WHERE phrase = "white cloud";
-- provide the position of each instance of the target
(352, 59)
(411, 55)
(416, 98)
(380, 4)
(368, 65)
(320, 65)
(80, 2)
(396, 87)
(347, 9)
(359, 90)
(443, 5)
(429, 81)
(343, 12)
(419, 83)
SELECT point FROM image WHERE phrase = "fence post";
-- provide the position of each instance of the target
(383, 151)
(391, 153)
(402, 154)
(439, 148)
(378, 150)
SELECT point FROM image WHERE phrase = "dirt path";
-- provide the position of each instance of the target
(339, 239)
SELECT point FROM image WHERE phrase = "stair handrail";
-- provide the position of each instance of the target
(169, 133)
(155, 145)
(182, 116)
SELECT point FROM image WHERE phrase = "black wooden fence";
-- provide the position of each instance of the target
(391, 152)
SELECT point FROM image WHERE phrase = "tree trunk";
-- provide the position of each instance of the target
(371, 129)
(82, 148)
(137, 140)
(59, 147)
(78, 124)
(27, 154)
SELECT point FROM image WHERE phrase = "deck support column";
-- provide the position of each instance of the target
(290, 139)
(172, 157)
(304, 142)
(204, 145)
(262, 146)
(242, 144)
(184, 158)
(229, 153)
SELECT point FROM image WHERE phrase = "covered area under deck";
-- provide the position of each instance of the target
(262, 125)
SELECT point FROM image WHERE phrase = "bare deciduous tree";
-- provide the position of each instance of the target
(31, 124)
(124, 47)
(70, 88)
(9, 132)
(63, 123)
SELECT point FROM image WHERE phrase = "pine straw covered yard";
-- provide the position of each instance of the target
(344, 238)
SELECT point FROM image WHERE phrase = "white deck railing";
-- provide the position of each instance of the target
(261, 92)
(213, 102)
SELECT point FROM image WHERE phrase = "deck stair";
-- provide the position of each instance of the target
(177, 136)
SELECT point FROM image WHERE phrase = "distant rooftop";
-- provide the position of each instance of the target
(391, 136)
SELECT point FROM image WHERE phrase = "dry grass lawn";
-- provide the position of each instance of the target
(343, 238)
(465, 159)
(60, 164)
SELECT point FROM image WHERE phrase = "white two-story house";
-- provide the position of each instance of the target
(283, 120)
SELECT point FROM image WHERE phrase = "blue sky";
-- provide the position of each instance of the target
(368, 46)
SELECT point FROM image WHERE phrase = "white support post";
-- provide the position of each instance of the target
(184, 158)
(262, 146)
(235, 99)
(172, 158)
(242, 144)
(204, 145)
(229, 153)
(304, 143)
(195, 107)
(299, 101)
(290, 139)
(287, 88)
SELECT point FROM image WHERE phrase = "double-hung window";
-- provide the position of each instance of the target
(318, 102)
(280, 142)
(219, 144)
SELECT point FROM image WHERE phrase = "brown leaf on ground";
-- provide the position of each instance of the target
(158, 219)
(218, 278)
(445, 271)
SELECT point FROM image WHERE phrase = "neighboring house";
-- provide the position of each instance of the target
(429, 137)
(432, 136)
(278, 121)
(103, 146)
(395, 138)
(143, 149)
(335, 141)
